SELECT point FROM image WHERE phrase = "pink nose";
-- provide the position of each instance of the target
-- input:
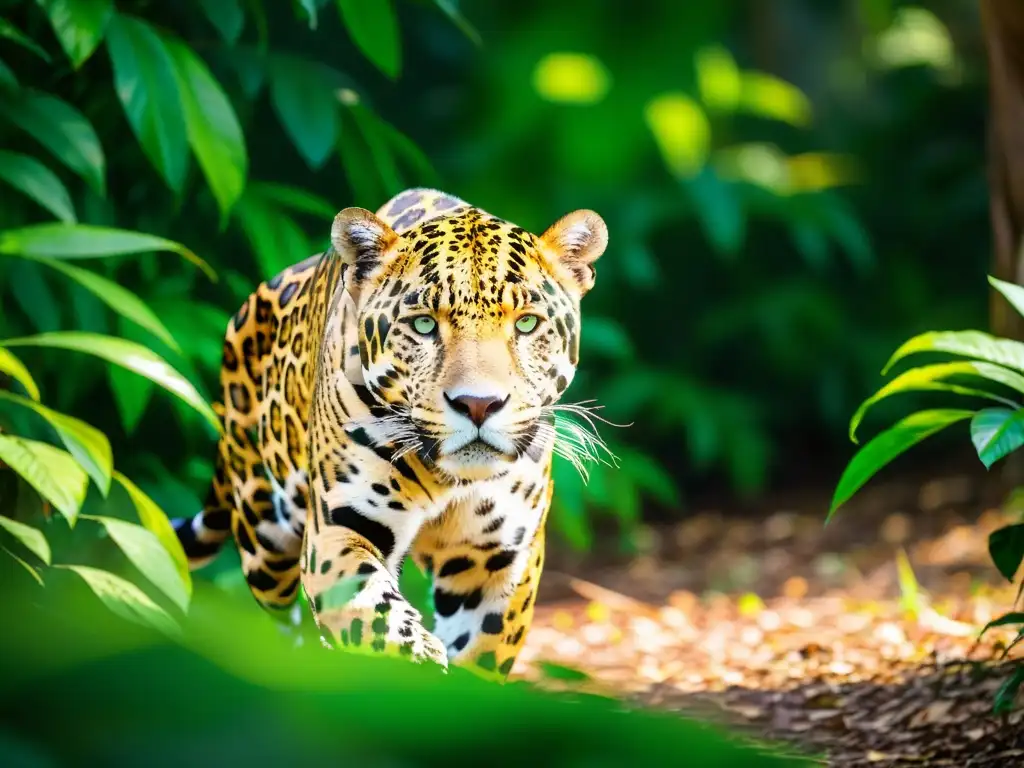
(478, 409)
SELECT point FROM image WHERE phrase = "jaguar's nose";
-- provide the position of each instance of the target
(478, 409)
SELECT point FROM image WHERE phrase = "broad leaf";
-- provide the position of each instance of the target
(146, 553)
(53, 473)
(997, 432)
(975, 344)
(20, 561)
(294, 198)
(274, 236)
(127, 354)
(1011, 291)
(11, 32)
(14, 368)
(38, 182)
(85, 241)
(8, 80)
(79, 25)
(1007, 619)
(33, 539)
(119, 299)
(227, 17)
(928, 378)
(213, 130)
(1006, 547)
(886, 446)
(374, 29)
(125, 599)
(304, 102)
(155, 520)
(719, 211)
(87, 444)
(61, 129)
(146, 85)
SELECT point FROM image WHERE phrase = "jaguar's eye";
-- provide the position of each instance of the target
(424, 325)
(527, 324)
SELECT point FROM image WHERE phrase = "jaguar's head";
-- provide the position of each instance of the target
(469, 328)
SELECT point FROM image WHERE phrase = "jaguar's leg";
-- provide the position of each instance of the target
(354, 593)
(484, 591)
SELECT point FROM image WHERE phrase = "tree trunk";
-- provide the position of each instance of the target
(1003, 25)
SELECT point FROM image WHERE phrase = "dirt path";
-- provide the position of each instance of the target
(793, 631)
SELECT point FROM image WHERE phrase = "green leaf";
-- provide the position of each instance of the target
(38, 182)
(61, 129)
(127, 354)
(369, 126)
(79, 25)
(997, 432)
(274, 237)
(14, 368)
(1007, 692)
(1012, 292)
(146, 85)
(34, 296)
(33, 539)
(32, 571)
(11, 32)
(85, 241)
(132, 396)
(1006, 547)
(927, 378)
(119, 299)
(374, 29)
(212, 127)
(146, 553)
(719, 211)
(53, 473)
(8, 80)
(648, 475)
(1006, 619)
(155, 520)
(304, 102)
(87, 444)
(452, 12)
(294, 198)
(125, 599)
(975, 344)
(562, 672)
(606, 337)
(227, 17)
(310, 7)
(886, 446)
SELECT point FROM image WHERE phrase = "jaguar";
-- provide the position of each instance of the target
(398, 396)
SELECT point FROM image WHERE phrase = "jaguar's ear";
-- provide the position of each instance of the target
(578, 239)
(362, 240)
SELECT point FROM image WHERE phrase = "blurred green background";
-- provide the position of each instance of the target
(792, 189)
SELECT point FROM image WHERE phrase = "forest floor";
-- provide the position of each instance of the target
(782, 628)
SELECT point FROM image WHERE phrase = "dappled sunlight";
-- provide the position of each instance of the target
(572, 78)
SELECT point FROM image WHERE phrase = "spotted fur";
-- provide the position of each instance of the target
(394, 396)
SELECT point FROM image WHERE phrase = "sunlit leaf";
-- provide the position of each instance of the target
(38, 182)
(1012, 292)
(14, 368)
(155, 520)
(227, 17)
(929, 378)
(212, 127)
(127, 354)
(768, 96)
(718, 78)
(79, 25)
(374, 29)
(125, 599)
(885, 447)
(11, 32)
(147, 554)
(32, 538)
(87, 444)
(146, 85)
(571, 78)
(31, 571)
(53, 473)
(304, 102)
(85, 241)
(975, 344)
(910, 589)
(61, 129)
(1006, 547)
(1006, 620)
(681, 131)
(997, 432)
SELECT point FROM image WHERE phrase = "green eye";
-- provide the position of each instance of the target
(527, 324)
(424, 324)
